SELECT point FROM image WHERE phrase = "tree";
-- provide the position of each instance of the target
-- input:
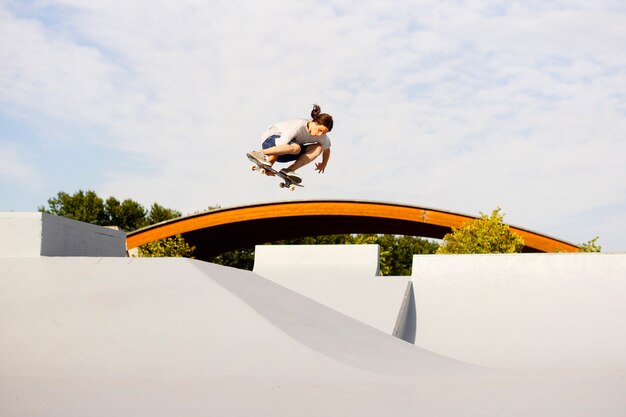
(241, 258)
(486, 234)
(171, 247)
(127, 215)
(590, 246)
(82, 206)
(160, 214)
(401, 249)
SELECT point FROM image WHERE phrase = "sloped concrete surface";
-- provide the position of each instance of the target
(342, 277)
(172, 337)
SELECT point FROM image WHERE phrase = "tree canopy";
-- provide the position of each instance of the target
(486, 234)
(88, 207)
(171, 247)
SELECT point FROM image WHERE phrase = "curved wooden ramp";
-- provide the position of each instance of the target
(221, 230)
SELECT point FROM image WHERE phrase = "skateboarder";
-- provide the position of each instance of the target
(298, 140)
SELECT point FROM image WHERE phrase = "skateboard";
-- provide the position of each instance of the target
(262, 169)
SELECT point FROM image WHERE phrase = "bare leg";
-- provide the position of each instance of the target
(312, 152)
(283, 149)
(275, 151)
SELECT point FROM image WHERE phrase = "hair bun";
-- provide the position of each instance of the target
(316, 111)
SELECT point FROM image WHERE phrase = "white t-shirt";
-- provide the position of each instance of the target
(295, 130)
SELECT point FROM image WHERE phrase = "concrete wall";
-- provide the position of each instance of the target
(343, 261)
(42, 234)
(342, 277)
(523, 311)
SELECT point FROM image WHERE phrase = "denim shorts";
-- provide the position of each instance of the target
(271, 141)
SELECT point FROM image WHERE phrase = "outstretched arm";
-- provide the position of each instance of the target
(321, 166)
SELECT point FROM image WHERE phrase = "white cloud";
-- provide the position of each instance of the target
(45, 74)
(14, 170)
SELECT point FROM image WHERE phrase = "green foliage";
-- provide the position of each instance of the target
(590, 246)
(396, 253)
(175, 247)
(127, 215)
(82, 206)
(487, 234)
(240, 258)
(160, 214)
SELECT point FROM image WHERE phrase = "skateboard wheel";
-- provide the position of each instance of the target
(262, 170)
(292, 187)
(281, 185)
(253, 168)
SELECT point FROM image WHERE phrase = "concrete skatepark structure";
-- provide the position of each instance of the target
(103, 335)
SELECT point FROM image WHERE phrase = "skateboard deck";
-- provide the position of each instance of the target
(286, 181)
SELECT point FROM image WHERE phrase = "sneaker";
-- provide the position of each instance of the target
(259, 157)
(292, 175)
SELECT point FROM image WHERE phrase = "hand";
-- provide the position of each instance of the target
(320, 167)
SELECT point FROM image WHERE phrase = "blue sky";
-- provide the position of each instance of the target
(462, 106)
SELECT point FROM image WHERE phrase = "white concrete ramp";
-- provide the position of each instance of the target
(175, 337)
(171, 318)
(528, 311)
(42, 234)
(342, 277)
